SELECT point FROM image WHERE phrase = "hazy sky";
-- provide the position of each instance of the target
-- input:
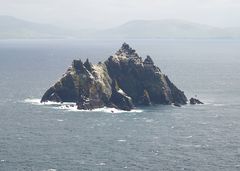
(108, 13)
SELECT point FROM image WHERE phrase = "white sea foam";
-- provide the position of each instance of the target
(101, 164)
(203, 123)
(149, 120)
(38, 102)
(198, 146)
(121, 140)
(104, 109)
(33, 101)
(73, 107)
(218, 105)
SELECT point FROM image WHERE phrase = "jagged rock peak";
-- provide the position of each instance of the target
(125, 46)
(88, 65)
(148, 60)
(77, 64)
(127, 51)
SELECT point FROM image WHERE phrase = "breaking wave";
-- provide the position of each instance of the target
(73, 107)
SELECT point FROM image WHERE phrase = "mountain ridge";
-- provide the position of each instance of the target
(14, 28)
(167, 28)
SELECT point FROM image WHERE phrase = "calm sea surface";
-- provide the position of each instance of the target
(37, 137)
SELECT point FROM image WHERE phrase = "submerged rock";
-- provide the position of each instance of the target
(194, 101)
(123, 81)
(177, 104)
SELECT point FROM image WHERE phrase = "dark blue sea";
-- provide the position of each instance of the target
(51, 137)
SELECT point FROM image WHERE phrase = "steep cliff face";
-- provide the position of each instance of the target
(123, 81)
(142, 80)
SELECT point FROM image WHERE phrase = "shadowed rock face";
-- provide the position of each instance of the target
(194, 101)
(123, 81)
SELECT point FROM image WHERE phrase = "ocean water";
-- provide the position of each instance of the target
(53, 137)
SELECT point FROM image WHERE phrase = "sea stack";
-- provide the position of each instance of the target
(123, 81)
(194, 101)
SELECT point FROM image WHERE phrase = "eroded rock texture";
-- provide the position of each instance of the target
(123, 81)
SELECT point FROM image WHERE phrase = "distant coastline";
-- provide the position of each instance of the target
(14, 28)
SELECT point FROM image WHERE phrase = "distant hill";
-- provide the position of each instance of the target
(168, 29)
(13, 28)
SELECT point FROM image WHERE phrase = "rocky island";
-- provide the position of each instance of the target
(123, 81)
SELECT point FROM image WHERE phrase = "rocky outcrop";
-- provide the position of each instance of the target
(194, 101)
(142, 80)
(123, 81)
